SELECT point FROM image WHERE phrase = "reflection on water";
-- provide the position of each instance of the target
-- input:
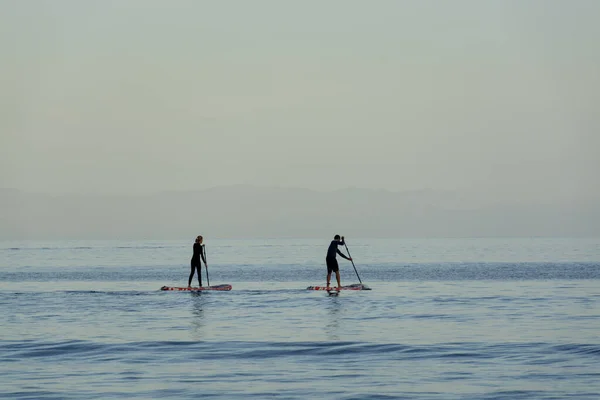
(198, 323)
(332, 326)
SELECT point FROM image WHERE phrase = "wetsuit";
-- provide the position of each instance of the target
(332, 264)
(196, 264)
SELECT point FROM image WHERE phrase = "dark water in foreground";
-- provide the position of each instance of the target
(446, 319)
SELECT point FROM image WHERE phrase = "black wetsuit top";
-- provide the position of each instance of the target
(197, 254)
(333, 249)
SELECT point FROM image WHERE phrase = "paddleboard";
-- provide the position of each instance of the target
(196, 289)
(356, 286)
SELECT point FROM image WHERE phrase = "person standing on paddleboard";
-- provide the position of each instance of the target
(331, 260)
(196, 263)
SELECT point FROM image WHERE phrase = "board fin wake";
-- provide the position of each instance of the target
(224, 287)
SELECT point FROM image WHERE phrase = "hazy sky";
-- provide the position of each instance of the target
(131, 96)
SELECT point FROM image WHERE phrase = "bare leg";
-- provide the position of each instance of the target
(328, 278)
(337, 276)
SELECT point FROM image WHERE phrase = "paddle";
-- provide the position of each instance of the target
(206, 266)
(352, 261)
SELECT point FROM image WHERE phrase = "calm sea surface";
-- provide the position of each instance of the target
(446, 319)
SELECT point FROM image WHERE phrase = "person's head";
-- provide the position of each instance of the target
(337, 237)
(199, 239)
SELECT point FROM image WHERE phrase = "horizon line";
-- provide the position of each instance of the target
(235, 185)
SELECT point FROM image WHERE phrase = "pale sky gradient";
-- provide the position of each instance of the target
(135, 96)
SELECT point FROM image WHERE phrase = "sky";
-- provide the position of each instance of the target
(500, 97)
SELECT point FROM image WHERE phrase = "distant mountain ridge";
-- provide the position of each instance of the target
(255, 212)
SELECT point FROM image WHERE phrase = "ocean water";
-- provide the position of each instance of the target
(446, 319)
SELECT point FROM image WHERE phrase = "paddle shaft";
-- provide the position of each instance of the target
(352, 261)
(207, 279)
